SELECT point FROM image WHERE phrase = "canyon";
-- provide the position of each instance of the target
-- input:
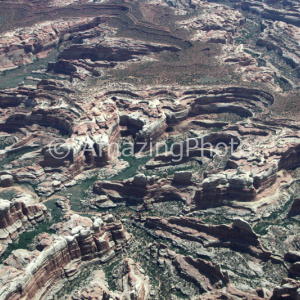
(149, 150)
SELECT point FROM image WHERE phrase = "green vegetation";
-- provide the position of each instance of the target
(79, 192)
(250, 31)
(284, 84)
(6, 141)
(275, 219)
(80, 280)
(255, 55)
(261, 62)
(13, 156)
(8, 194)
(26, 238)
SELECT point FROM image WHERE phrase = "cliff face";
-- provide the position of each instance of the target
(281, 37)
(239, 235)
(113, 50)
(17, 215)
(87, 75)
(132, 284)
(23, 46)
(289, 288)
(139, 189)
(211, 280)
(217, 188)
(291, 158)
(295, 208)
(78, 240)
(204, 274)
(267, 12)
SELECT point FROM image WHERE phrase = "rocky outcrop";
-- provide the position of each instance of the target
(11, 99)
(6, 180)
(79, 240)
(140, 189)
(113, 50)
(249, 66)
(182, 177)
(290, 17)
(217, 188)
(62, 66)
(212, 281)
(183, 151)
(231, 292)
(291, 158)
(22, 46)
(289, 289)
(239, 235)
(17, 215)
(132, 284)
(203, 274)
(217, 101)
(215, 24)
(295, 208)
(295, 270)
(292, 256)
(282, 37)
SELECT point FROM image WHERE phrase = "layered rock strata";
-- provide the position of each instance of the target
(238, 236)
(17, 215)
(79, 240)
(289, 289)
(282, 38)
(132, 284)
(215, 24)
(267, 12)
(204, 274)
(211, 280)
(23, 46)
(56, 104)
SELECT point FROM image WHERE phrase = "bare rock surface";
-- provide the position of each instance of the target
(204, 95)
(17, 215)
(79, 239)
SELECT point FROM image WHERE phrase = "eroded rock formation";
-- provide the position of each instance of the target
(79, 240)
(238, 236)
(24, 45)
(190, 75)
(17, 215)
(203, 273)
(132, 284)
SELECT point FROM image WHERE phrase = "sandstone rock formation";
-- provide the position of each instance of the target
(212, 212)
(132, 284)
(6, 180)
(22, 46)
(288, 288)
(281, 37)
(290, 17)
(17, 215)
(203, 273)
(79, 240)
(238, 236)
(215, 24)
(295, 208)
